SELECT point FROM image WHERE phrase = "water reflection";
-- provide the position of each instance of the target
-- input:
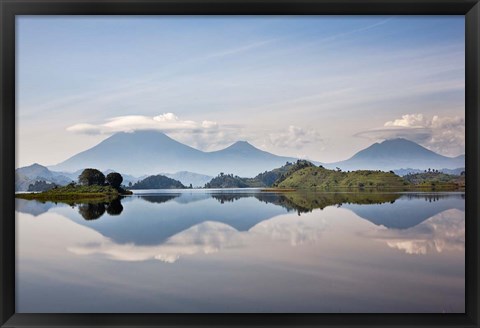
(167, 226)
(443, 232)
(204, 238)
(244, 252)
(412, 210)
(93, 211)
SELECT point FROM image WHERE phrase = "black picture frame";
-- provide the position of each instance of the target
(10, 8)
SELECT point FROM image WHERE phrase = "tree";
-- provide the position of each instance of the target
(91, 177)
(114, 179)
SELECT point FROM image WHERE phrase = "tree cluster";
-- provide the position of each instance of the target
(93, 177)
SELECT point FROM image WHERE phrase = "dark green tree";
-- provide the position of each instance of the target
(114, 179)
(91, 177)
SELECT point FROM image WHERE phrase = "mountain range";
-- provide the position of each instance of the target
(142, 153)
(152, 152)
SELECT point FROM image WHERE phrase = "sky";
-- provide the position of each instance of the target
(315, 87)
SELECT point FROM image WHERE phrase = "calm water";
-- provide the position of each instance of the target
(243, 251)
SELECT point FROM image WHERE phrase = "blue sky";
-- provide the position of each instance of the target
(319, 87)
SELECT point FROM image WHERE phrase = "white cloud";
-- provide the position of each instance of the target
(444, 135)
(206, 134)
(165, 122)
(409, 120)
(294, 137)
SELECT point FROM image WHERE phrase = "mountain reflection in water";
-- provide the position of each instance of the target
(242, 212)
(242, 249)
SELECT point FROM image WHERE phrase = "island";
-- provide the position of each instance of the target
(92, 186)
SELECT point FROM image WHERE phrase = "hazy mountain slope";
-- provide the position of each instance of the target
(396, 154)
(187, 178)
(137, 153)
(150, 152)
(27, 175)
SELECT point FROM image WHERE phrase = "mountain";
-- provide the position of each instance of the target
(151, 152)
(27, 175)
(187, 178)
(395, 154)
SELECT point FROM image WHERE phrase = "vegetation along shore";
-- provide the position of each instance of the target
(300, 175)
(92, 186)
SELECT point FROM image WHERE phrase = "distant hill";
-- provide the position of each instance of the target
(228, 181)
(395, 154)
(149, 152)
(187, 178)
(402, 172)
(29, 175)
(41, 185)
(158, 182)
(265, 179)
(435, 178)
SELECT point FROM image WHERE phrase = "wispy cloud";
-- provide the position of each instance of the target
(295, 137)
(353, 31)
(238, 50)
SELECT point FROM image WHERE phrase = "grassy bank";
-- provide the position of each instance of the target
(74, 193)
(321, 179)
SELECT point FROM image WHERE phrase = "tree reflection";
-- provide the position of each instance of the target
(304, 202)
(159, 199)
(93, 211)
(115, 207)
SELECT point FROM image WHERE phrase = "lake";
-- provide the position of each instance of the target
(243, 251)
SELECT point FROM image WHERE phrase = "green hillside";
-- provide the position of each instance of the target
(263, 180)
(319, 178)
(229, 181)
(436, 179)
